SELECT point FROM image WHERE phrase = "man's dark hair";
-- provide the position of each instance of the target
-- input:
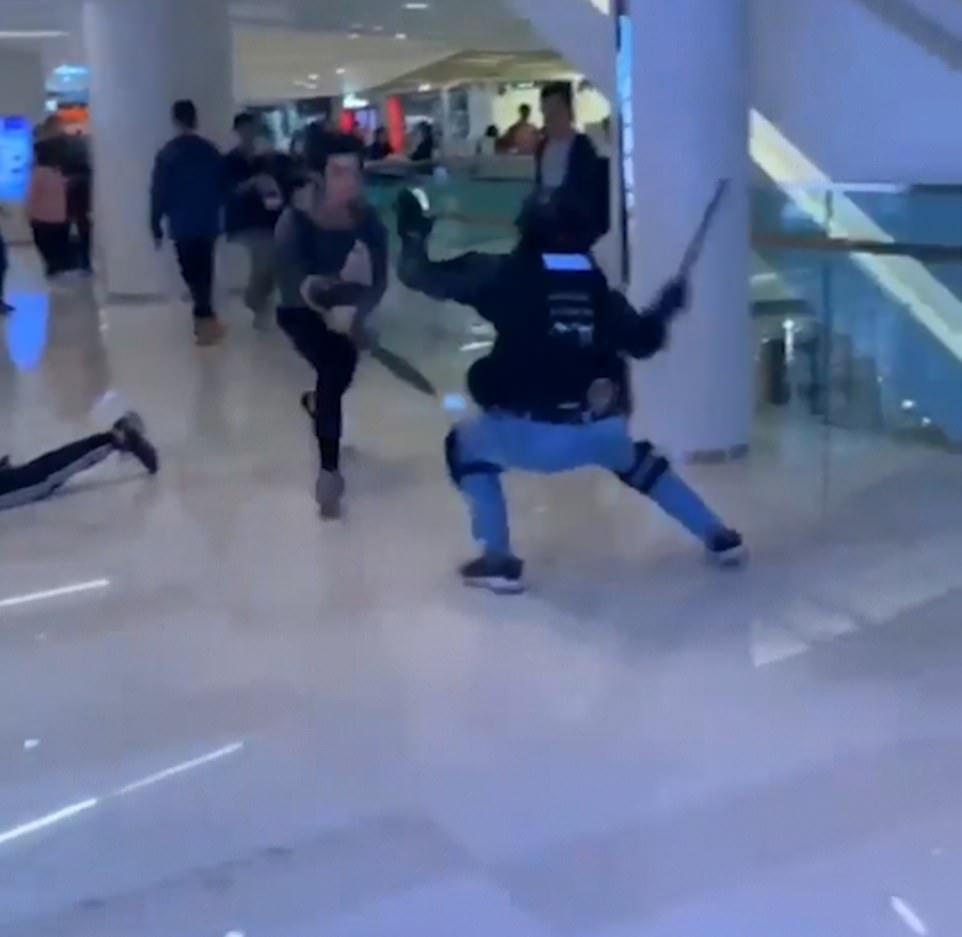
(244, 119)
(320, 145)
(525, 110)
(184, 113)
(559, 89)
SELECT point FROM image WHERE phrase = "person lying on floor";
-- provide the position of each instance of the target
(40, 478)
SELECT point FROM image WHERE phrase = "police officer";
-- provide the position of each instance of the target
(554, 391)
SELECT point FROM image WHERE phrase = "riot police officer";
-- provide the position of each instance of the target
(554, 391)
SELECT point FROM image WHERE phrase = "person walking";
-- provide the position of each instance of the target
(47, 211)
(187, 191)
(258, 183)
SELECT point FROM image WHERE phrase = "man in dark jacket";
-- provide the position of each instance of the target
(258, 186)
(554, 390)
(187, 189)
(567, 160)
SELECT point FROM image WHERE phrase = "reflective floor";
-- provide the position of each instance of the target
(219, 716)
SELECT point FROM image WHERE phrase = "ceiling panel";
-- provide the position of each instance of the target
(280, 43)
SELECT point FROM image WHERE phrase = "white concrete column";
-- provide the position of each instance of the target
(144, 55)
(690, 110)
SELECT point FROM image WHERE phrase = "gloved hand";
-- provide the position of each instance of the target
(413, 221)
(673, 298)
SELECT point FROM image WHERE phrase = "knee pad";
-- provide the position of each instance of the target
(458, 469)
(647, 469)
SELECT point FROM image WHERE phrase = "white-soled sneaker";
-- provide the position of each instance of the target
(501, 575)
(727, 549)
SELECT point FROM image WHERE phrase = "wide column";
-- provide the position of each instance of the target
(690, 110)
(144, 55)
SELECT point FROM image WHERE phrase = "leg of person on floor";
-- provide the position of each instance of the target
(40, 478)
(196, 259)
(334, 360)
(261, 278)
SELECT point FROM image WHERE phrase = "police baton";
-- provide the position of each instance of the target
(697, 243)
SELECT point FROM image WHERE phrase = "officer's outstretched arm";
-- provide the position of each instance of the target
(462, 279)
(644, 334)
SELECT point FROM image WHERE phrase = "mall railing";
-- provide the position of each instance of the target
(856, 296)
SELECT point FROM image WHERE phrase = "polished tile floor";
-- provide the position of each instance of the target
(220, 717)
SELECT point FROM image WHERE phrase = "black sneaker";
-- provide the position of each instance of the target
(727, 549)
(131, 438)
(5, 307)
(502, 575)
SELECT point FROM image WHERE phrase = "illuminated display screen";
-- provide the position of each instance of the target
(626, 128)
(16, 157)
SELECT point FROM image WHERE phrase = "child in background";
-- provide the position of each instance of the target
(47, 212)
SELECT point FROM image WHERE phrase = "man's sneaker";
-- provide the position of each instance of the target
(727, 549)
(502, 575)
(329, 491)
(208, 332)
(5, 307)
(131, 438)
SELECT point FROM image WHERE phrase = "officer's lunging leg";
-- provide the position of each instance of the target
(479, 481)
(651, 474)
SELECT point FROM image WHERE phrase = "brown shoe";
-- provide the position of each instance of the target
(208, 332)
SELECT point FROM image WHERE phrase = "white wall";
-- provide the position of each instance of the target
(863, 101)
(21, 82)
(591, 107)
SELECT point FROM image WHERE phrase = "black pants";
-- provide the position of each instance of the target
(196, 259)
(334, 359)
(21, 484)
(84, 237)
(53, 244)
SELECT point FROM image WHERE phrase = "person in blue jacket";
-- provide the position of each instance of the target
(187, 192)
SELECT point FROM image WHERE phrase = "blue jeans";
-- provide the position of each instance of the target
(486, 445)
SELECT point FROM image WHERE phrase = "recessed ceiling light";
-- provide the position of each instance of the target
(400, 35)
(340, 71)
(354, 36)
(31, 33)
(379, 29)
(416, 6)
(313, 77)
